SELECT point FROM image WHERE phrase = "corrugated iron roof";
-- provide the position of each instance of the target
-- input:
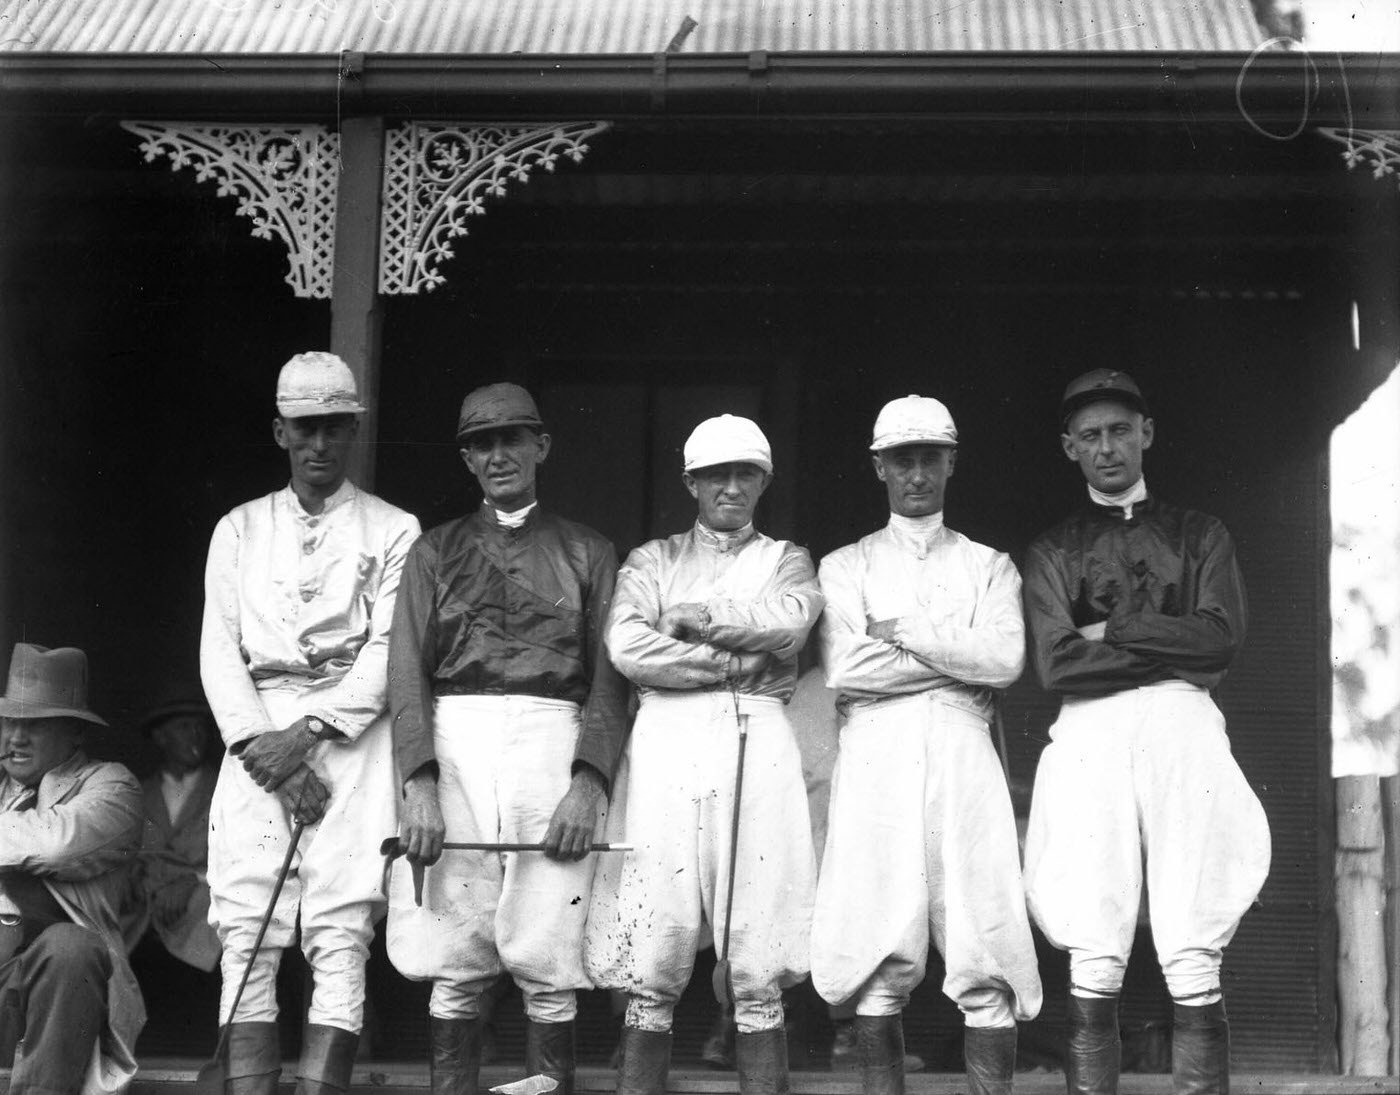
(620, 26)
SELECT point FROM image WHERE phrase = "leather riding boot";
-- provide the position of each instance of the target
(1094, 1053)
(880, 1046)
(646, 1059)
(1200, 1050)
(254, 1059)
(327, 1059)
(549, 1051)
(989, 1056)
(454, 1055)
(762, 1061)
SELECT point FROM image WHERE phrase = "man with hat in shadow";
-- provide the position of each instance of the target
(508, 724)
(69, 826)
(172, 944)
(1136, 608)
(299, 595)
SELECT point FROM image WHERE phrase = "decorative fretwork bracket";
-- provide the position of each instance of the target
(1378, 149)
(437, 174)
(284, 177)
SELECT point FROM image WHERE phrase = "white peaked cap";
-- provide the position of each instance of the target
(727, 439)
(913, 420)
(317, 383)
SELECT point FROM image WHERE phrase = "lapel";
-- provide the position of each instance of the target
(59, 784)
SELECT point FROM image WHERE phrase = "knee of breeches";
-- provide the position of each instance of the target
(1097, 976)
(875, 1000)
(1193, 977)
(553, 1006)
(651, 1013)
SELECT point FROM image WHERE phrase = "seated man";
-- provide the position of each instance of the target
(173, 883)
(68, 828)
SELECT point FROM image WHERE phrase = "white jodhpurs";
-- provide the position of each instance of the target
(1139, 781)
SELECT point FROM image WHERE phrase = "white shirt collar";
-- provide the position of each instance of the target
(1124, 499)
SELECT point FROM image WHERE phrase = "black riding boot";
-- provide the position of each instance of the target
(549, 1051)
(646, 1059)
(880, 1044)
(454, 1055)
(1095, 1052)
(762, 1061)
(327, 1059)
(254, 1059)
(989, 1055)
(1200, 1050)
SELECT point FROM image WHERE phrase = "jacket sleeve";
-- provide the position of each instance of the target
(223, 670)
(605, 723)
(641, 653)
(1065, 661)
(90, 833)
(853, 661)
(360, 697)
(1205, 637)
(413, 659)
(992, 651)
(777, 622)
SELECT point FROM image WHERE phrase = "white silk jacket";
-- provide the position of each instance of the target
(761, 595)
(959, 629)
(302, 601)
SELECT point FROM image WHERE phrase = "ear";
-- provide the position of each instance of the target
(952, 460)
(279, 432)
(1067, 443)
(767, 478)
(1147, 429)
(690, 484)
(879, 466)
(466, 455)
(544, 441)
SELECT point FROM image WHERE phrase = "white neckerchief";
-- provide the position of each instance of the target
(515, 519)
(1124, 499)
(176, 791)
(724, 542)
(918, 531)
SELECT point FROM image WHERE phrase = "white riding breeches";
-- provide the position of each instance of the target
(333, 884)
(1140, 787)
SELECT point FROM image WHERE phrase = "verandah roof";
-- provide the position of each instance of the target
(621, 26)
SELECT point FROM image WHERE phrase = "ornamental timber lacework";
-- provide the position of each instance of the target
(1378, 149)
(284, 177)
(438, 174)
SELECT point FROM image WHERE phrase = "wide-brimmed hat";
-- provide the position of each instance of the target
(47, 684)
(179, 700)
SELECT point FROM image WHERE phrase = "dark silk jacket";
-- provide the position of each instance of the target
(1166, 583)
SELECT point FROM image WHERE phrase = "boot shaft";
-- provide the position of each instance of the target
(761, 1058)
(1200, 1050)
(646, 1060)
(989, 1056)
(327, 1060)
(1094, 1052)
(454, 1055)
(880, 1046)
(254, 1059)
(549, 1051)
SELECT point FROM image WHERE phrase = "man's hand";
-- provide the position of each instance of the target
(688, 622)
(1094, 631)
(421, 828)
(571, 828)
(884, 630)
(304, 795)
(272, 757)
(169, 903)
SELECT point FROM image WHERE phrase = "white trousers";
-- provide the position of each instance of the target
(334, 881)
(675, 803)
(1140, 787)
(921, 844)
(503, 765)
